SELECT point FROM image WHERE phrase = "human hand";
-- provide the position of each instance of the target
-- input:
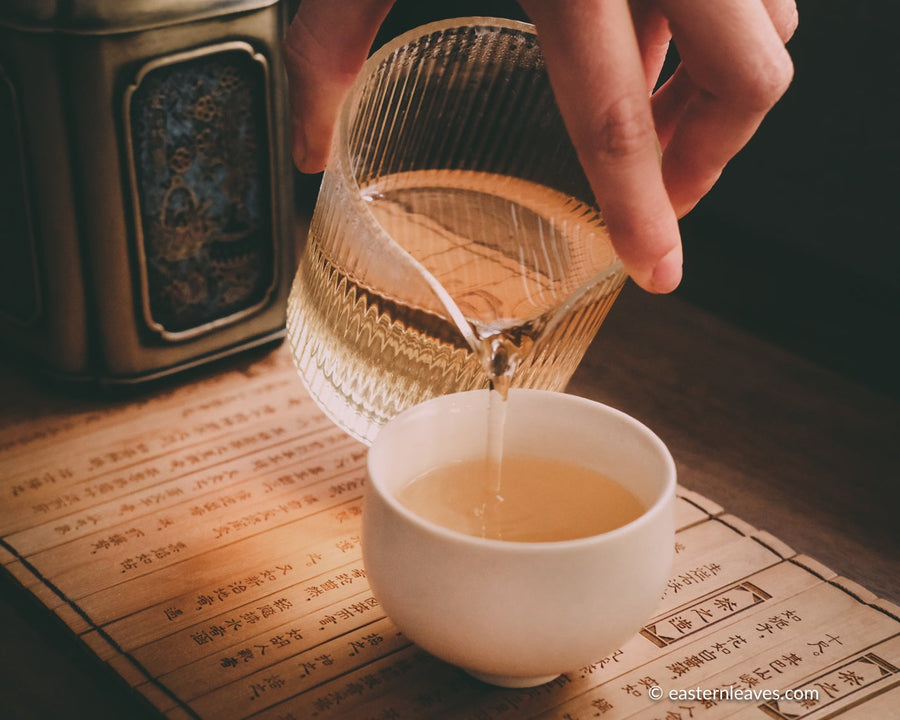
(603, 58)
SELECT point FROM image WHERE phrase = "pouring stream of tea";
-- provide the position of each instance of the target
(509, 258)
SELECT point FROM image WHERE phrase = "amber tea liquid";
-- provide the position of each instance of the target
(542, 500)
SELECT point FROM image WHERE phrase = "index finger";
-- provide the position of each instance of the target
(597, 74)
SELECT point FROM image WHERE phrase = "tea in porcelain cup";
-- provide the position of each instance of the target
(513, 613)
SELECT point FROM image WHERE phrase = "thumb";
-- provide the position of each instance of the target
(324, 48)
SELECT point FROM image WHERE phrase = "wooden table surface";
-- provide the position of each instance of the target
(783, 444)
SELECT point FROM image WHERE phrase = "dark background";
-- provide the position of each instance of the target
(799, 241)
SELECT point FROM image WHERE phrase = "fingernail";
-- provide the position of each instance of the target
(667, 273)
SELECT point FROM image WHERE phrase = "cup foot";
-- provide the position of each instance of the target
(513, 681)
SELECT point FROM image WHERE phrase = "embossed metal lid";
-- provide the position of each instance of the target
(114, 16)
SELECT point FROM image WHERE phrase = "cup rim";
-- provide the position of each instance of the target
(664, 496)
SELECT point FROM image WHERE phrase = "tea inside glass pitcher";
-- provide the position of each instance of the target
(455, 244)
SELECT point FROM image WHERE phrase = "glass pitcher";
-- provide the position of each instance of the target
(455, 244)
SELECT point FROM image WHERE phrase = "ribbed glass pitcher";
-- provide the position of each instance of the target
(455, 243)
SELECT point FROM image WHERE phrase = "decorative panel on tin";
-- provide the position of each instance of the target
(19, 296)
(199, 134)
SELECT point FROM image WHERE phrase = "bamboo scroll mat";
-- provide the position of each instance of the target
(205, 544)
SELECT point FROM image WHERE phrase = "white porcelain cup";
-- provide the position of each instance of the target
(518, 614)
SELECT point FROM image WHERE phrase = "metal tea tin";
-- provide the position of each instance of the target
(145, 183)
